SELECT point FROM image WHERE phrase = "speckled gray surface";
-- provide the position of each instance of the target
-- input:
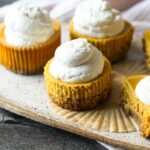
(20, 133)
(40, 137)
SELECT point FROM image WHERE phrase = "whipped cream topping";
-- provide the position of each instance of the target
(77, 61)
(143, 90)
(96, 18)
(27, 25)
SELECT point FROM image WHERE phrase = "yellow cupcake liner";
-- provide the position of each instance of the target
(113, 48)
(79, 96)
(146, 47)
(28, 59)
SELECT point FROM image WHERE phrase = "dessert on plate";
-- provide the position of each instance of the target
(136, 100)
(78, 77)
(146, 43)
(28, 39)
(102, 26)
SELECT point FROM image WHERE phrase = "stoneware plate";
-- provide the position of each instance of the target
(26, 96)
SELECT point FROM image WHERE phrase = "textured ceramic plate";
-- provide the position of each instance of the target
(26, 96)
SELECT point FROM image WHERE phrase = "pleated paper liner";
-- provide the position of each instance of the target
(109, 116)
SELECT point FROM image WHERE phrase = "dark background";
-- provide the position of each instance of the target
(18, 133)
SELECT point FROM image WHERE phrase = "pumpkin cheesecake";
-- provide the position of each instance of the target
(78, 77)
(136, 101)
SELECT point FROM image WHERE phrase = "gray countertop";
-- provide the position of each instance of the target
(20, 133)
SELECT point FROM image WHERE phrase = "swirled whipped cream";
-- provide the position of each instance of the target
(77, 61)
(27, 25)
(96, 18)
(143, 90)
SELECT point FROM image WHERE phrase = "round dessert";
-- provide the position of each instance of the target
(28, 39)
(78, 77)
(102, 26)
(136, 100)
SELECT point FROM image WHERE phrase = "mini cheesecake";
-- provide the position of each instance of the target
(134, 106)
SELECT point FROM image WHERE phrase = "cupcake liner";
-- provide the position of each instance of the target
(82, 95)
(28, 59)
(107, 117)
(113, 48)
